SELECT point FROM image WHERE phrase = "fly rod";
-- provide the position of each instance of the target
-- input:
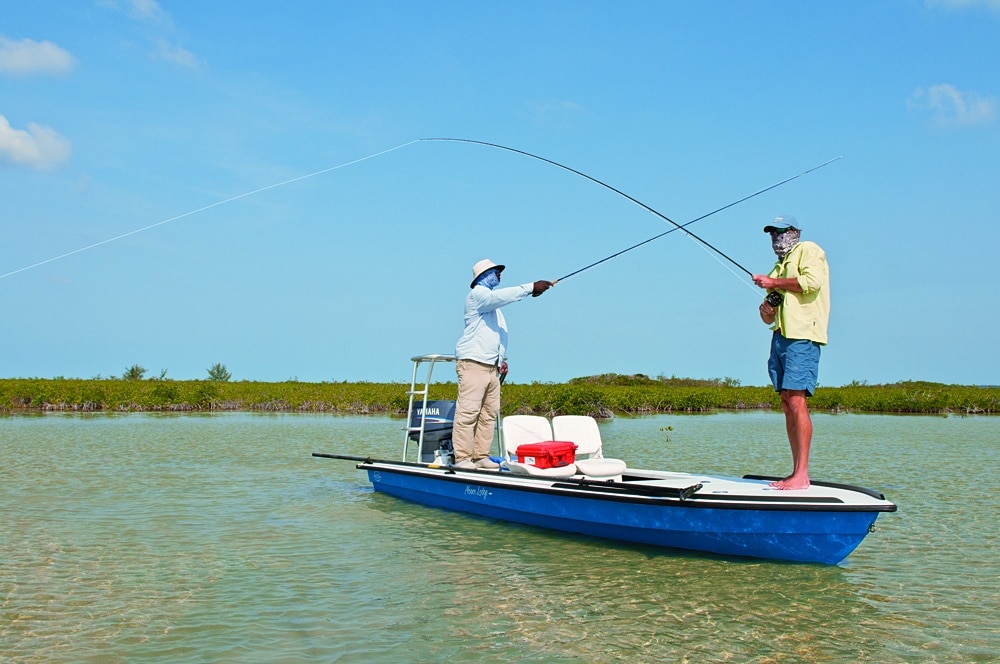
(676, 227)
(201, 209)
(683, 227)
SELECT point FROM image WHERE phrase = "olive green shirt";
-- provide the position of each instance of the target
(804, 315)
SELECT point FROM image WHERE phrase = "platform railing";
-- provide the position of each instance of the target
(413, 393)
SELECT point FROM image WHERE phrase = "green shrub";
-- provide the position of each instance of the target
(601, 398)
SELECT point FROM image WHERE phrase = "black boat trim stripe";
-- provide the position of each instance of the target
(670, 492)
(832, 485)
(450, 474)
(370, 460)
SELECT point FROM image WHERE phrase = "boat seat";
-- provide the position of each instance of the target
(525, 430)
(590, 461)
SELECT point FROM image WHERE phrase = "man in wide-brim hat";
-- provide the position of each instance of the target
(480, 356)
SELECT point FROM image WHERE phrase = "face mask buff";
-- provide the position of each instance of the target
(782, 243)
(491, 280)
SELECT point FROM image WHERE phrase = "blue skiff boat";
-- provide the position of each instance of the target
(601, 497)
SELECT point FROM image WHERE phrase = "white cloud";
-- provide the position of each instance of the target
(151, 13)
(177, 55)
(146, 9)
(27, 57)
(142, 10)
(555, 110)
(952, 107)
(39, 147)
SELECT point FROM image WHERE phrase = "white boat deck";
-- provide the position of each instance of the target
(657, 485)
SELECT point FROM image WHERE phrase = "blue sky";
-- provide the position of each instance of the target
(155, 212)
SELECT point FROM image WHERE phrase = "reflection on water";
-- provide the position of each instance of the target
(219, 538)
(598, 600)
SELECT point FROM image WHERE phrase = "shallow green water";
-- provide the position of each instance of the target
(218, 538)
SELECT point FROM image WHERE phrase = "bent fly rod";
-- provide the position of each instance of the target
(677, 227)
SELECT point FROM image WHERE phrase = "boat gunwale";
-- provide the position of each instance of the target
(566, 486)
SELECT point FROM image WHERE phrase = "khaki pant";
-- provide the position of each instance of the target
(476, 410)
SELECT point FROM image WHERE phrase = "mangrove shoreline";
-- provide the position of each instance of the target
(602, 396)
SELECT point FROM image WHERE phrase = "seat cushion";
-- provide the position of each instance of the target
(527, 469)
(600, 467)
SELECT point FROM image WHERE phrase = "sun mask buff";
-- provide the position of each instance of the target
(491, 280)
(782, 243)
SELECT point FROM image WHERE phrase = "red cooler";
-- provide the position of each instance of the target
(550, 454)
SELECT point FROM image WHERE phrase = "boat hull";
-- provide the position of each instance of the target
(813, 533)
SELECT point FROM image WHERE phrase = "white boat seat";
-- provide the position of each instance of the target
(590, 461)
(524, 430)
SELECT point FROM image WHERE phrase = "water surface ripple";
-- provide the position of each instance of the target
(218, 538)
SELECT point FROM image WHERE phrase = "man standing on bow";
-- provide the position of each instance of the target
(479, 356)
(797, 308)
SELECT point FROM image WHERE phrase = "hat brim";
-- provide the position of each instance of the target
(498, 268)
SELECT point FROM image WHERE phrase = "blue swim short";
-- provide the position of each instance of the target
(794, 364)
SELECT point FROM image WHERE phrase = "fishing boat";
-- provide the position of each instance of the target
(553, 474)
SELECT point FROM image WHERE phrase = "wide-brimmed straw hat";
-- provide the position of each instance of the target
(482, 266)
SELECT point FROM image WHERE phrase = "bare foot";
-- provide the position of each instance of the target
(791, 483)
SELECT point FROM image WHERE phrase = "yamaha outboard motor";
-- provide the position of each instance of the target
(438, 419)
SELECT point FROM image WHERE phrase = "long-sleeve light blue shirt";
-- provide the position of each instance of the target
(485, 336)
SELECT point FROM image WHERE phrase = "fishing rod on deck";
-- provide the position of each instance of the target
(677, 227)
